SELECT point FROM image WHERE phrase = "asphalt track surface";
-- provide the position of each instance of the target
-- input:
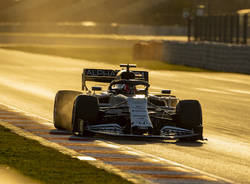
(30, 81)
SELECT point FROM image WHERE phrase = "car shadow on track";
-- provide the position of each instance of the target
(129, 140)
(190, 144)
(147, 141)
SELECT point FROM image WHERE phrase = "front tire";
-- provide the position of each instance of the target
(190, 117)
(63, 106)
(85, 112)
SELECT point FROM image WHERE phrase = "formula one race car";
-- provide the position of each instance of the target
(126, 108)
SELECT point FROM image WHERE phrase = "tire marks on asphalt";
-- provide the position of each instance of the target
(92, 149)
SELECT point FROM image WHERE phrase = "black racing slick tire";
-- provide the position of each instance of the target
(63, 106)
(190, 117)
(85, 112)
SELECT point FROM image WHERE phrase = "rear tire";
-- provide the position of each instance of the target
(85, 112)
(190, 117)
(63, 106)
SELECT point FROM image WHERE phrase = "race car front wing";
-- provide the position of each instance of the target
(167, 132)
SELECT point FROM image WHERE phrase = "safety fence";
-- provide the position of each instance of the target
(220, 28)
(206, 55)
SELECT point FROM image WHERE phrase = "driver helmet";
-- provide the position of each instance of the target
(129, 89)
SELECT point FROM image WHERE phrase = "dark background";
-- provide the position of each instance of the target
(150, 12)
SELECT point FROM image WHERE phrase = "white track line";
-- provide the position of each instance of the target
(134, 150)
(17, 109)
(86, 158)
(108, 145)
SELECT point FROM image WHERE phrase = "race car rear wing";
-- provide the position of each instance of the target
(102, 75)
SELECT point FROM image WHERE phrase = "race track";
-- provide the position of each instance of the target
(30, 81)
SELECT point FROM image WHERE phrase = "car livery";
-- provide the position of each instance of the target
(126, 108)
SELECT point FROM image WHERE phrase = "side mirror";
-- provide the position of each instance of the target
(166, 91)
(96, 88)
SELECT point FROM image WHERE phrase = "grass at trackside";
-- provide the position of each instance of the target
(48, 165)
(104, 54)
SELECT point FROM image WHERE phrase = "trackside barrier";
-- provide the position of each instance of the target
(221, 28)
(206, 55)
